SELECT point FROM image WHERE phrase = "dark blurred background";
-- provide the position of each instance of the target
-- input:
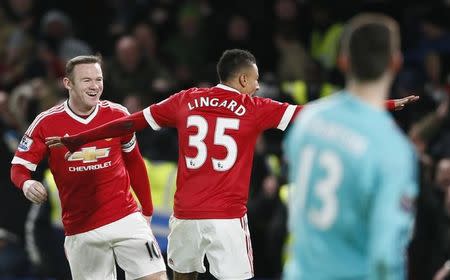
(154, 48)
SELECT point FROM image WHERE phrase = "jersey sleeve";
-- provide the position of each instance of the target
(273, 114)
(128, 141)
(163, 113)
(32, 148)
(392, 218)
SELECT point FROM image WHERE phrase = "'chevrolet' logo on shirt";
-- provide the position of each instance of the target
(89, 154)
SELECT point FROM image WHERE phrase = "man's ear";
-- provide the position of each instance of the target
(243, 80)
(67, 83)
(396, 62)
(343, 63)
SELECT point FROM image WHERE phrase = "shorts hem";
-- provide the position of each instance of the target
(147, 273)
(243, 277)
(185, 271)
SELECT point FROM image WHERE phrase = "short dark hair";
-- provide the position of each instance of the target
(82, 59)
(369, 40)
(232, 61)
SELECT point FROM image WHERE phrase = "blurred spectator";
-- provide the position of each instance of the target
(44, 63)
(263, 208)
(292, 56)
(237, 34)
(325, 36)
(128, 74)
(313, 86)
(30, 98)
(13, 206)
(430, 247)
(188, 48)
(149, 45)
(15, 41)
(56, 30)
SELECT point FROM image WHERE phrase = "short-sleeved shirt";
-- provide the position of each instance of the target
(353, 180)
(93, 183)
(217, 131)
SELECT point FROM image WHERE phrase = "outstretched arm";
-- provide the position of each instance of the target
(399, 104)
(116, 128)
(391, 104)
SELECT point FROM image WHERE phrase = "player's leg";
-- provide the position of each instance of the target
(90, 257)
(185, 276)
(230, 252)
(155, 276)
(135, 248)
(186, 248)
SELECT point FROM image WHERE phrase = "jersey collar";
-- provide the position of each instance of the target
(78, 118)
(222, 86)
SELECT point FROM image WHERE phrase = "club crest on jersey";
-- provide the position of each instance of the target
(89, 154)
(25, 144)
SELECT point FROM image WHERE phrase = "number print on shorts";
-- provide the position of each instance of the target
(153, 250)
(220, 139)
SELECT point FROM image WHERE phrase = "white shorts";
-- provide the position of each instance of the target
(129, 241)
(225, 242)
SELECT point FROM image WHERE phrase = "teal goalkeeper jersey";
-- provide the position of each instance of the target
(352, 186)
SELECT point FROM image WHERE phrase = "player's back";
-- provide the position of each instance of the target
(344, 155)
(217, 131)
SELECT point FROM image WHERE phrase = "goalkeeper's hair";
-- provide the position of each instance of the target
(232, 61)
(369, 40)
(82, 59)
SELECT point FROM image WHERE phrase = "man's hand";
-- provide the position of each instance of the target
(443, 272)
(401, 102)
(54, 142)
(34, 191)
(71, 143)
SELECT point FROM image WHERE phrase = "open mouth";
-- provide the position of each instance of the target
(91, 94)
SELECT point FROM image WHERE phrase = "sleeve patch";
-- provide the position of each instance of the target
(25, 144)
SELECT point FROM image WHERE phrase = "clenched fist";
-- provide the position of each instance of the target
(34, 191)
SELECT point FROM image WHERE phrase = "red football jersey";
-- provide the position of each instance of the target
(93, 183)
(217, 131)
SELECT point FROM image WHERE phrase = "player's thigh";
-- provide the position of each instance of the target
(135, 247)
(230, 252)
(186, 246)
(89, 256)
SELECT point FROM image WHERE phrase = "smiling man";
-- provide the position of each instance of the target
(101, 220)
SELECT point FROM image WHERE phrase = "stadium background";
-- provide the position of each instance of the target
(153, 48)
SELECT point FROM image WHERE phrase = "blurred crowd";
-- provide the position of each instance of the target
(153, 48)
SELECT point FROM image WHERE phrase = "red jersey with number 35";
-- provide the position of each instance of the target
(217, 132)
(93, 183)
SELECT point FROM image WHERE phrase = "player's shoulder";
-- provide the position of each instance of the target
(190, 91)
(260, 102)
(321, 107)
(395, 139)
(184, 94)
(112, 107)
(48, 116)
(52, 112)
